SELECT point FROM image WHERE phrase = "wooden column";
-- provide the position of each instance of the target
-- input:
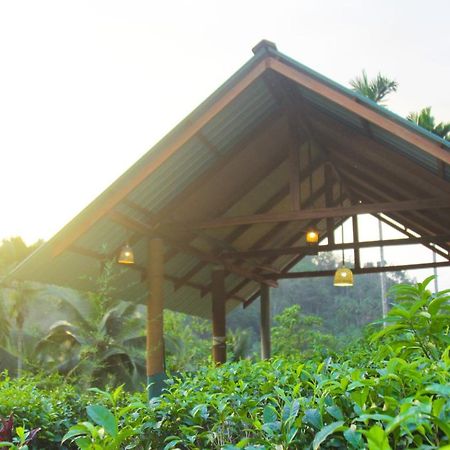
(265, 322)
(219, 349)
(329, 201)
(155, 316)
(356, 253)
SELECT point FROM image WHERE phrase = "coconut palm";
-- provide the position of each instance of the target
(425, 119)
(377, 89)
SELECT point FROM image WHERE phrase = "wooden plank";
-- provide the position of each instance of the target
(427, 145)
(322, 213)
(155, 160)
(363, 270)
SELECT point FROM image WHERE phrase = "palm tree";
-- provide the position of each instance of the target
(377, 89)
(425, 119)
(15, 304)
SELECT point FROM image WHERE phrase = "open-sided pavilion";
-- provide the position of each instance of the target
(217, 211)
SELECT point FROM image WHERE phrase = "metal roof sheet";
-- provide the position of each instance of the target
(232, 124)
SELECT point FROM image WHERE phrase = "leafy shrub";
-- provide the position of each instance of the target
(419, 322)
(378, 396)
(45, 402)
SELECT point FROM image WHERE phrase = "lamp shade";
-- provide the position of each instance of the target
(126, 255)
(312, 236)
(343, 277)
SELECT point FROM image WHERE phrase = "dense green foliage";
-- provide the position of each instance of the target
(389, 392)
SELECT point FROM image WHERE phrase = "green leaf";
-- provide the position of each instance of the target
(353, 437)
(103, 417)
(377, 439)
(440, 389)
(269, 414)
(314, 418)
(325, 432)
(335, 412)
(76, 430)
(436, 303)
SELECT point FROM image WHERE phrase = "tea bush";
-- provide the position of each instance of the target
(389, 392)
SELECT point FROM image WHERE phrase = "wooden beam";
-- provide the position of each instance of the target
(322, 213)
(403, 229)
(363, 270)
(155, 318)
(117, 192)
(219, 347)
(329, 201)
(290, 241)
(362, 110)
(356, 255)
(387, 187)
(266, 206)
(265, 322)
(374, 153)
(237, 270)
(306, 249)
(138, 226)
(143, 271)
(294, 171)
(422, 224)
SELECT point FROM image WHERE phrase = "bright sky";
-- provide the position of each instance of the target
(88, 86)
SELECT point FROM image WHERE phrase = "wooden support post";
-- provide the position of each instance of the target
(356, 242)
(265, 322)
(219, 349)
(329, 201)
(155, 316)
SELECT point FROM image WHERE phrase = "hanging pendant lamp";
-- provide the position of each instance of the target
(312, 236)
(343, 275)
(126, 255)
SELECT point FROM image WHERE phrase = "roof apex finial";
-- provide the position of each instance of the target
(264, 46)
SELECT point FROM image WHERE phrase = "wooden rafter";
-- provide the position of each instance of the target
(306, 249)
(363, 270)
(144, 229)
(351, 104)
(322, 213)
(142, 270)
(404, 230)
(271, 202)
(380, 188)
(373, 152)
(159, 158)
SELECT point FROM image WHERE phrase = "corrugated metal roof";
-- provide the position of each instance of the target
(219, 136)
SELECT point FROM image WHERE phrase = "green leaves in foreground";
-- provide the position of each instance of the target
(392, 393)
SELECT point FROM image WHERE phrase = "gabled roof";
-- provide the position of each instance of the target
(239, 153)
